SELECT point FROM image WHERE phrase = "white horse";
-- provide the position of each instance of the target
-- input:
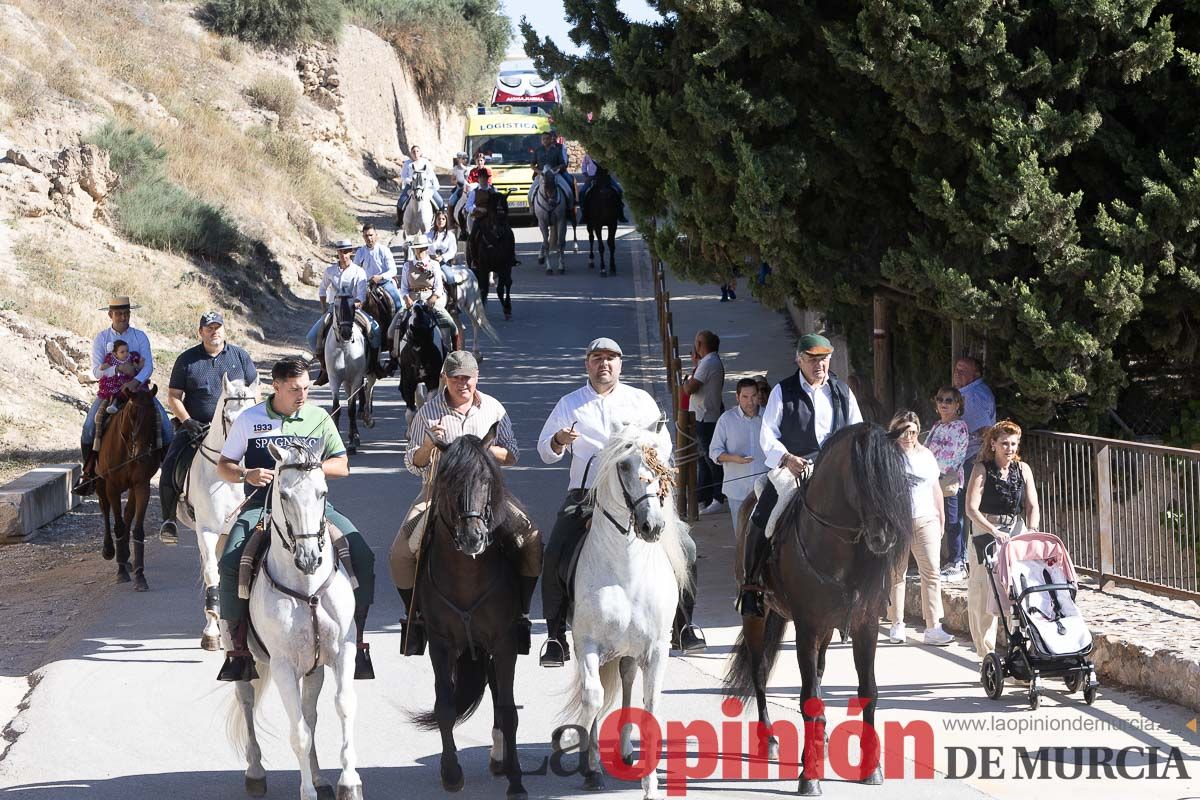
(631, 571)
(208, 501)
(470, 305)
(460, 208)
(296, 638)
(550, 203)
(421, 208)
(346, 363)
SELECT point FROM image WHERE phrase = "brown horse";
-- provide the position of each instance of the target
(130, 454)
(836, 544)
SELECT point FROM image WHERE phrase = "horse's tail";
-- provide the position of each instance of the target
(236, 729)
(470, 680)
(610, 679)
(475, 309)
(739, 677)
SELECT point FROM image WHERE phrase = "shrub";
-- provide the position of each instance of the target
(313, 188)
(274, 93)
(154, 211)
(230, 49)
(276, 22)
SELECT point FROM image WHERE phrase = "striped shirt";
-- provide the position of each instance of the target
(479, 418)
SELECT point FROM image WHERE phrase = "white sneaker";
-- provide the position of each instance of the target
(896, 634)
(954, 574)
(715, 507)
(937, 637)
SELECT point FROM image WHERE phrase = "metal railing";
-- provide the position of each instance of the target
(687, 453)
(1128, 512)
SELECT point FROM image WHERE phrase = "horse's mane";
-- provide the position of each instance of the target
(882, 483)
(627, 441)
(467, 462)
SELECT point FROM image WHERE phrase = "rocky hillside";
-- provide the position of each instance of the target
(144, 155)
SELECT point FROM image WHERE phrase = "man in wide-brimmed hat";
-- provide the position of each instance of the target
(421, 282)
(138, 376)
(342, 278)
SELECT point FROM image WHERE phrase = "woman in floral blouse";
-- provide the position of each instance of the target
(948, 441)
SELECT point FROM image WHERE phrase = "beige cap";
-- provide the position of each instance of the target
(460, 363)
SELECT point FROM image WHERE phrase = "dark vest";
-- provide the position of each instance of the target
(797, 431)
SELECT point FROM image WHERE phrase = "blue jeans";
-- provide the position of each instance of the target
(955, 535)
(374, 337)
(89, 424)
(455, 196)
(437, 199)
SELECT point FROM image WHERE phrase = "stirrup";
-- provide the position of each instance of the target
(690, 639)
(412, 638)
(554, 653)
(238, 666)
(364, 670)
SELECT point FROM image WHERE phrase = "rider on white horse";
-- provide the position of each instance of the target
(421, 281)
(195, 387)
(138, 377)
(417, 168)
(343, 279)
(459, 170)
(285, 416)
(550, 158)
(582, 423)
(460, 408)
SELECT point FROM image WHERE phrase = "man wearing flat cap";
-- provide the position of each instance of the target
(802, 412)
(457, 410)
(197, 379)
(138, 376)
(343, 278)
(582, 423)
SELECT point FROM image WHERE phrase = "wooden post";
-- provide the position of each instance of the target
(883, 355)
(1104, 513)
(676, 370)
(686, 449)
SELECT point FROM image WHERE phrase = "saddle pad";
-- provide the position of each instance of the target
(785, 486)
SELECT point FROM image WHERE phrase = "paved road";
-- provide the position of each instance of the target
(133, 710)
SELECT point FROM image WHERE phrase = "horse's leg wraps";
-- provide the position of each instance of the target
(341, 547)
(257, 538)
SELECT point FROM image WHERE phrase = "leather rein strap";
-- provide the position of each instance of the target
(313, 601)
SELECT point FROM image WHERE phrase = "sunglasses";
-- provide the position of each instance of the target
(946, 400)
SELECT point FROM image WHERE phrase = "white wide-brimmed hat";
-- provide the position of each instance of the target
(419, 242)
(119, 303)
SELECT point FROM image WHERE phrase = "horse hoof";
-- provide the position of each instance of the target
(139, 584)
(210, 643)
(541, 260)
(495, 767)
(349, 793)
(109, 552)
(256, 787)
(875, 778)
(517, 794)
(370, 423)
(122, 574)
(562, 271)
(773, 750)
(593, 781)
(351, 449)
(452, 778)
(809, 788)
(326, 792)
(627, 758)
(549, 270)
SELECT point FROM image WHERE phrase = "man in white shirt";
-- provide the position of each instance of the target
(582, 423)
(706, 387)
(736, 444)
(377, 262)
(138, 376)
(417, 168)
(341, 279)
(802, 412)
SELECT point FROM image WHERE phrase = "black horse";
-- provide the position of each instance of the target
(494, 250)
(835, 547)
(602, 209)
(421, 358)
(470, 597)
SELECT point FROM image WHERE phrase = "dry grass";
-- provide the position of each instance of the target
(276, 93)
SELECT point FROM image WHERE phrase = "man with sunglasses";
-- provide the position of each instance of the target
(802, 412)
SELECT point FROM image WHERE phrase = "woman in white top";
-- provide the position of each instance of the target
(928, 521)
(443, 243)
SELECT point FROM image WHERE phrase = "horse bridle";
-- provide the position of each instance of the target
(288, 537)
(205, 449)
(466, 513)
(631, 504)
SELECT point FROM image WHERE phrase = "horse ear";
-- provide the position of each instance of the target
(438, 443)
(490, 436)
(153, 389)
(657, 426)
(278, 454)
(226, 385)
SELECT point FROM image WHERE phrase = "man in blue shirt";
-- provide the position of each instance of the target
(979, 412)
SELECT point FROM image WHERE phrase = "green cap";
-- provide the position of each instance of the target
(814, 344)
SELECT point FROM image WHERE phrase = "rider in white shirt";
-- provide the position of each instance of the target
(582, 422)
(377, 262)
(342, 279)
(418, 168)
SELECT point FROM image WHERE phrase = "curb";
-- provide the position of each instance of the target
(38, 497)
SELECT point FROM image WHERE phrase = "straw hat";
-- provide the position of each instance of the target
(119, 303)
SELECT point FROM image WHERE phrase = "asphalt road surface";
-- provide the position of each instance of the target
(134, 712)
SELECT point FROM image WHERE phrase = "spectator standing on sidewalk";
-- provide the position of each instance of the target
(948, 440)
(979, 412)
(926, 535)
(735, 446)
(764, 390)
(705, 388)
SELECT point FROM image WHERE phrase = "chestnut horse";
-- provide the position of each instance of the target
(130, 453)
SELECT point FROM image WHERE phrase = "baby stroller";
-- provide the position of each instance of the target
(1048, 637)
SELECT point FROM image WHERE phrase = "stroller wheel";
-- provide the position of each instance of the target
(1089, 694)
(1035, 697)
(992, 676)
(1073, 681)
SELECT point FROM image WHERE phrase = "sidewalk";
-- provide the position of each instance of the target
(1141, 641)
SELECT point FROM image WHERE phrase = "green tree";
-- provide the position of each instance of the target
(1029, 167)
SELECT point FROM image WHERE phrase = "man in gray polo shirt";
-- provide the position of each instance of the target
(192, 397)
(706, 387)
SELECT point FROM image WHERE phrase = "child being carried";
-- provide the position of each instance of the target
(112, 380)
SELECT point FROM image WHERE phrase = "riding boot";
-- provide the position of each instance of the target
(239, 664)
(555, 652)
(686, 637)
(524, 626)
(412, 628)
(323, 378)
(751, 603)
(364, 670)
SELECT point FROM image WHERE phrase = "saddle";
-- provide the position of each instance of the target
(360, 319)
(255, 554)
(567, 567)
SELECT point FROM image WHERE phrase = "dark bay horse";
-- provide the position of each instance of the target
(602, 210)
(379, 306)
(420, 360)
(130, 453)
(836, 545)
(469, 593)
(494, 250)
